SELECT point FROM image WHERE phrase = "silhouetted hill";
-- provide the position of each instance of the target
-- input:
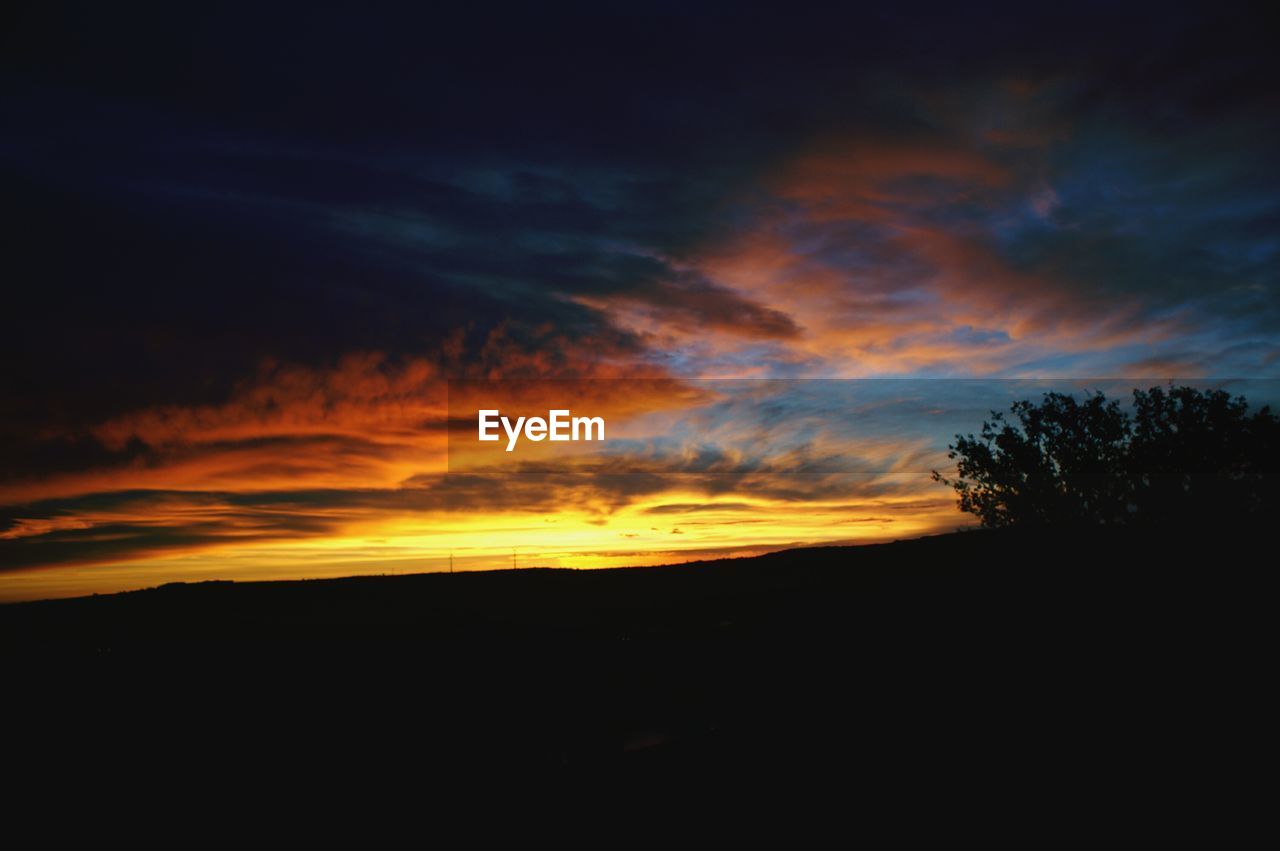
(992, 645)
(827, 590)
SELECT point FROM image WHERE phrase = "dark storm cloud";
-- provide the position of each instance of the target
(199, 191)
(181, 262)
(1167, 187)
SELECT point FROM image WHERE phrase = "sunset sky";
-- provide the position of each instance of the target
(249, 249)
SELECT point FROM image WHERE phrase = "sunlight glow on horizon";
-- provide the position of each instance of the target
(630, 536)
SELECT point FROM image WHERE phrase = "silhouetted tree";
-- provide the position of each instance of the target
(1182, 455)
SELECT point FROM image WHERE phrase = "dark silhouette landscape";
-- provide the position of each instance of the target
(1102, 612)
(989, 645)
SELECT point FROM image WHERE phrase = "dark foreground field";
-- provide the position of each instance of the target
(934, 658)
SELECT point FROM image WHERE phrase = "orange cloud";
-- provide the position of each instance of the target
(879, 253)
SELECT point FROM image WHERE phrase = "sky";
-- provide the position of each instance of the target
(788, 250)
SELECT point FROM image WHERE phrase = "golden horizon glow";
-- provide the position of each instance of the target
(652, 531)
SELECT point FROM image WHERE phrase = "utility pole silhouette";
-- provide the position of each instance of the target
(451, 561)
(513, 558)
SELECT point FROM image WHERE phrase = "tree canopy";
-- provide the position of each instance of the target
(1176, 455)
